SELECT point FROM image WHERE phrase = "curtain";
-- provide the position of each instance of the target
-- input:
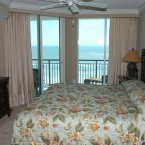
(123, 37)
(2, 56)
(18, 61)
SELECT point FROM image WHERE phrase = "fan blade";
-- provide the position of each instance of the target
(91, 5)
(53, 1)
(53, 6)
(73, 8)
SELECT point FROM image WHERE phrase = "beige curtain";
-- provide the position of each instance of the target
(18, 62)
(123, 37)
(2, 56)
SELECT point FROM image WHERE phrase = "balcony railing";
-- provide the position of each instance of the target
(86, 69)
(91, 68)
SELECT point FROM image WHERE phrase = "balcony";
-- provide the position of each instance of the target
(86, 69)
(91, 68)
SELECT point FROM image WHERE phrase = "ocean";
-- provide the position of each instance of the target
(86, 69)
(84, 52)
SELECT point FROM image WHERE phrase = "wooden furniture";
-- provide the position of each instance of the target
(143, 65)
(92, 80)
(96, 80)
(4, 97)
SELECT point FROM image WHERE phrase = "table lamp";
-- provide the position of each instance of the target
(132, 57)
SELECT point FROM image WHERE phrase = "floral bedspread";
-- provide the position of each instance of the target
(81, 114)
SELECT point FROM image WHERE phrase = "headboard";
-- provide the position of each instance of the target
(143, 65)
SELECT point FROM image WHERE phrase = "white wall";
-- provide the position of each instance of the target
(141, 34)
(4, 11)
(141, 30)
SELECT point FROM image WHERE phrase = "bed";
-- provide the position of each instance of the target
(84, 114)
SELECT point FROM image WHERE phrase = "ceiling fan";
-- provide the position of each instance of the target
(74, 5)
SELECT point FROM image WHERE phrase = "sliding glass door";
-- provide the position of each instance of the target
(35, 46)
(93, 49)
(50, 50)
(45, 51)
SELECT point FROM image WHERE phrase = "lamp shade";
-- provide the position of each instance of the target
(132, 56)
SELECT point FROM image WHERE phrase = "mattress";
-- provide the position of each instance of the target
(82, 114)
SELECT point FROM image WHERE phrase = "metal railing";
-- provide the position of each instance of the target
(50, 70)
(91, 68)
(86, 69)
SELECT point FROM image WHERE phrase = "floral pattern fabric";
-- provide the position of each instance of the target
(136, 91)
(133, 85)
(81, 114)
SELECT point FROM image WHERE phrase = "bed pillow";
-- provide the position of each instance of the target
(137, 97)
(136, 91)
(133, 85)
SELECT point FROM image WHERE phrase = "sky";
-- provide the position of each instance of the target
(91, 32)
(50, 32)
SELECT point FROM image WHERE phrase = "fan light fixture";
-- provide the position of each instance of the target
(73, 8)
(74, 5)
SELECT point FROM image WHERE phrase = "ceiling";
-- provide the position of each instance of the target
(123, 6)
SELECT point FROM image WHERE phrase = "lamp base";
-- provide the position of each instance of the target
(132, 72)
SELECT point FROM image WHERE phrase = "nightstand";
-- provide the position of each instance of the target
(122, 79)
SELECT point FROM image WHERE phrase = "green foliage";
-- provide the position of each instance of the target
(120, 129)
(133, 129)
(79, 127)
(61, 143)
(110, 119)
(93, 142)
(30, 123)
(45, 140)
(60, 117)
(56, 137)
(19, 123)
(68, 126)
(107, 140)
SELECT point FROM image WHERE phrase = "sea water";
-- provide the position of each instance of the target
(88, 53)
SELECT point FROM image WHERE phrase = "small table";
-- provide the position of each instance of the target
(93, 81)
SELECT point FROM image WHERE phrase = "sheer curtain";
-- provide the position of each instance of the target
(18, 62)
(123, 37)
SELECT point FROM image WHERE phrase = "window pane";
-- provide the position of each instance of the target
(50, 47)
(50, 37)
(34, 36)
(35, 54)
(93, 47)
(92, 38)
(45, 51)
